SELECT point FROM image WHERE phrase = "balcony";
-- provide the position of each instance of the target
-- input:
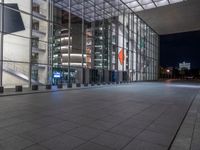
(38, 31)
(40, 2)
(37, 66)
(36, 50)
(38, 12)
(38, 46)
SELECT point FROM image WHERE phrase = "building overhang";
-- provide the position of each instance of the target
(176, 18)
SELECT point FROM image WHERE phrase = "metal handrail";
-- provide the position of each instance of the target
(15, 66)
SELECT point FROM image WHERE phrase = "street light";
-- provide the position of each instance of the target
(168, 71)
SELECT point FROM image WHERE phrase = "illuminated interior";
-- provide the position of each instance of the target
(75, 41)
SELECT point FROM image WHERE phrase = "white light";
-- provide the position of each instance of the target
(133, 4)
(139, 8)
(74, 55)
(162, 3)
(74, 64)
(149, 6)
(65, 47)
(66, 38)
(184, 86)
(175, 1)
(143, 2)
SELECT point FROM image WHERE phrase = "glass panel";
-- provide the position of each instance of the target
(19, 5)
(162, 3)
(16, 48)
(15, 73)
(144, 2)
(84, 41)
(16, 22)
(175, 1)
(62, 41)
(149, 6)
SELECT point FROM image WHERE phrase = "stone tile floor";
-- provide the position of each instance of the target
(139, 116)
(188, 136)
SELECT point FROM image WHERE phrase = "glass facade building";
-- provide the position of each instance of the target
(74, 41)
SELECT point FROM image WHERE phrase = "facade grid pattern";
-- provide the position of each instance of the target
(74, 41)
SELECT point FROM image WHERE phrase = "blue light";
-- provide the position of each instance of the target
(56, 75)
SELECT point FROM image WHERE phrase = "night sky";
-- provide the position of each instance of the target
(176, 48)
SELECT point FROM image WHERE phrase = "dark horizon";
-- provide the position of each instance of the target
(176, 48)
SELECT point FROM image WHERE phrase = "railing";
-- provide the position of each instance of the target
(40, 28)
(42, 13)
(39, 45)
(17, 68)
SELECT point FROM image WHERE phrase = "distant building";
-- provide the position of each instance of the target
(184, 65)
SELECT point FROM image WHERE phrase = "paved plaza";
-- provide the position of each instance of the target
(137, 116)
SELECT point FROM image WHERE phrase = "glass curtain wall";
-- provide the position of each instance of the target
(25, 42)
(74, 41)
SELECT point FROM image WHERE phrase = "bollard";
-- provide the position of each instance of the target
(1, 89)
(34, 87)
(69, 85)
(59, 86)
(78, 85)
(18, 88)
(48, 86)
(85, 84)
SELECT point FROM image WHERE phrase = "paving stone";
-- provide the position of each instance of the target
(46, 121)
(85, 133)
(14, 143)
(92, 146)
(64, 142)
(40, 134)
(126, 130)
(175, 147)
(36, 147)
(159, 128)
(64, 126)
(22, 127)
(10, 121)
(141, 145)
(136, 123)
(102, 125)
(81, 120)
(111, 140)
(195, 145)
(182, 142)
(4, 134)
(155, 138)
